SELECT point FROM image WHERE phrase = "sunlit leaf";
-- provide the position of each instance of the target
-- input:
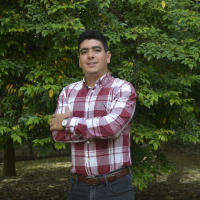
(50, 93)
(164, 120)
(163, 4)
(8, 86)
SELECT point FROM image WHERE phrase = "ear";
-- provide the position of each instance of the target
(108, 56)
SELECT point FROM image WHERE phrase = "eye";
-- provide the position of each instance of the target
(83, 52)
(97, 50)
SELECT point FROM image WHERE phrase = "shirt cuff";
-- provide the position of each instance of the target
(72, 124)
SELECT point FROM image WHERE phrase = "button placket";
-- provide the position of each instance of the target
(88, 142)
(91, 94)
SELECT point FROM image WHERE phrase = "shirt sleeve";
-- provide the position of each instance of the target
(65, 135)
(111, 125)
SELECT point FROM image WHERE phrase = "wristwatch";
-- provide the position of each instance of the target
(64, 122)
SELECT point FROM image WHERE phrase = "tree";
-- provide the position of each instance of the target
(154, 45)
(32, 69)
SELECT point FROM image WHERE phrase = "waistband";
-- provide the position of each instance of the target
(95, 180)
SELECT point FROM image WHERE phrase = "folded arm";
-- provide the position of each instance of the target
(118, 117)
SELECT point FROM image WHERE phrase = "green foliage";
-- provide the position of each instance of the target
(154, 45)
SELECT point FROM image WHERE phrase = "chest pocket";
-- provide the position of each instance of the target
(102, 108)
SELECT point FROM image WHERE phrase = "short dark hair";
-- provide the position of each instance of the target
(93, 34)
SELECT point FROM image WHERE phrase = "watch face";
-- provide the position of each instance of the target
(64, 122)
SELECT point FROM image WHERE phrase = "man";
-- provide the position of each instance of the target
(94, 116)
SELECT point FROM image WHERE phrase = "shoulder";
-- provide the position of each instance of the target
(71, 88)
(75, 85)
(122, 85)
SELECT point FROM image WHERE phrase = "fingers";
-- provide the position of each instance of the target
(56, 121)
(52, 121)
(54, 115)
(56, 127)
(52, 128)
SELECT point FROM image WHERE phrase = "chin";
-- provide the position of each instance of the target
(92, 72)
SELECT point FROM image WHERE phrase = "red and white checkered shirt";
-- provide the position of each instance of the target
(98, 131)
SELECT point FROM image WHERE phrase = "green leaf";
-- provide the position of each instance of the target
(171, 101)
(149, 58)
(16, 137)
(45, 32)
(155, 145)
(59, 146)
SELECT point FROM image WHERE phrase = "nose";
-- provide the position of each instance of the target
(90, 54)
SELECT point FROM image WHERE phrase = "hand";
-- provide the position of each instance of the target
(56, 121)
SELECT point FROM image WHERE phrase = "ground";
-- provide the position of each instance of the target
(47, 179)
(183, 185)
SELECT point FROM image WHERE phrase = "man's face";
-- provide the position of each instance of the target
(93, 59)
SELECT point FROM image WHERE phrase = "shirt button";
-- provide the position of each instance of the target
(100, 85)
(92, 90)
(88, 159)
(88, 142)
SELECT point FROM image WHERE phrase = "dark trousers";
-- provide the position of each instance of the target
(120, 189)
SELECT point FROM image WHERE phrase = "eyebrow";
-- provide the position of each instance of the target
(94, 47)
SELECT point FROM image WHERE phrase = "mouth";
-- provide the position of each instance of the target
(91, 64)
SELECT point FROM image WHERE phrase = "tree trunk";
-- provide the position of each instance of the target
(9, 160)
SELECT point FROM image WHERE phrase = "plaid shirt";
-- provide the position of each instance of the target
(98, 129)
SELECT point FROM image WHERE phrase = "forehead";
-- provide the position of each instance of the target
(90, 43)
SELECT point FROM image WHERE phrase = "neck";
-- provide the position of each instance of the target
(91, 79)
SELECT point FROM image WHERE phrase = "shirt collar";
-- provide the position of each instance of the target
(100, 82)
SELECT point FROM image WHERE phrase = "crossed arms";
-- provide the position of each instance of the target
(111, 125)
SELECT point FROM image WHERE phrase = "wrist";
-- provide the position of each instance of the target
(64, 122)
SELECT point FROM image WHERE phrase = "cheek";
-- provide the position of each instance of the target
(102, 59)
(81, 62)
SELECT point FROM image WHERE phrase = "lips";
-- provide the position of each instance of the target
(91, 64)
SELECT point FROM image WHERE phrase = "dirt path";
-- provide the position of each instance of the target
(49, 179)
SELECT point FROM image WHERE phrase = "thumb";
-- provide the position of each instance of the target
(66, 109)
